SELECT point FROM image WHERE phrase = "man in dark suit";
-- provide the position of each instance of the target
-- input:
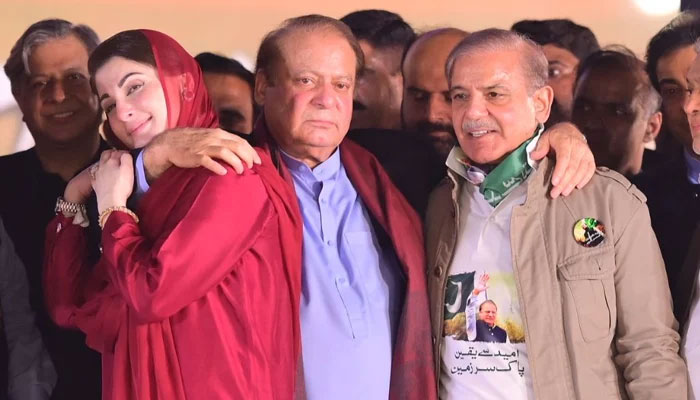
(486, 328)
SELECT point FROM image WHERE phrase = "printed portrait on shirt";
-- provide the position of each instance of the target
(482, 307)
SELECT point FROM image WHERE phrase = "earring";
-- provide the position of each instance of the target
(187, 95)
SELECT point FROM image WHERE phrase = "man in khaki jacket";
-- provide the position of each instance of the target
(578, 282)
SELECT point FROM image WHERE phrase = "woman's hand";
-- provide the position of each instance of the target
(79, 188)
(113, 179)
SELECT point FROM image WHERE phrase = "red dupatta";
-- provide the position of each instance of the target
(188, 105)
(186, 96)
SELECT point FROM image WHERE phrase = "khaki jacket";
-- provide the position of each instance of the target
(598, 321)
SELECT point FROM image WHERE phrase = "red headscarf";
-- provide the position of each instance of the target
(186, 96)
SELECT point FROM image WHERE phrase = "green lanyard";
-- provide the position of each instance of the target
(511, 172)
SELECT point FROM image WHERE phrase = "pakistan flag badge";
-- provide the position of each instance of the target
(589, 232)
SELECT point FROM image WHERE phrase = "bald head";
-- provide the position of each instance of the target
(425, 110)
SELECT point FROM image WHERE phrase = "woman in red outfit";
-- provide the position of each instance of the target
(200, 298)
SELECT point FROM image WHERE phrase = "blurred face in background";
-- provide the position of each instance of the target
(562, 74)
(671, 71)
(426, 110)
(379, 88)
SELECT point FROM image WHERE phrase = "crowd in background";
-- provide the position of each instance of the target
(374, 212)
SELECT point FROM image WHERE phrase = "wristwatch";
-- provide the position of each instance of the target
(68, 208)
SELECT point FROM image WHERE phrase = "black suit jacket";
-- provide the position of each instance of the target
(674, 206)
(485, 333)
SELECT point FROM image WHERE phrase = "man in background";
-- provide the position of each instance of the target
(383, 37)
(47, 69)
(230, 86)
(565, 44)
(618, 110)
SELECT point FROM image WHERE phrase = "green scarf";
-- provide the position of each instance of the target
(511, 172)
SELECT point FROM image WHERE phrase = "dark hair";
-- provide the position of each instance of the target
(269, 53)
(682, 31)
(563, 33)
(132, 45)
(17, 65)
(216, 64)
(380, 28)
(620, 58)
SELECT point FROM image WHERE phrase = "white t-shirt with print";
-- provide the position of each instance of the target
(478, 360)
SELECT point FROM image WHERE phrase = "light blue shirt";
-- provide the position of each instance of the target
(352, 290)
(693, 163)
(142, 185)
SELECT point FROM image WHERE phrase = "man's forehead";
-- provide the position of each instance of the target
(485, 69)
(438, 44)
(694, 71)
(429, 55)
(310, 50)
(316, 40)
(678, 60)
(613, 88)
(63, 53)
(554, 52)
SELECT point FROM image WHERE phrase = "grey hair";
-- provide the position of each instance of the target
(17, 65)
(269, 53)
(534, 63)
(696, 46)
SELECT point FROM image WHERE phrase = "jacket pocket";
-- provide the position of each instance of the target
(588, 279)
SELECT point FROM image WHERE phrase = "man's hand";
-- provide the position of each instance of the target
(574, 166)
(79, 188)
(482, 285)
(197, 147)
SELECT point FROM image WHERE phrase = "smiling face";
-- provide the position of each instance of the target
(56, 99)
(133, 100)
(487, 313)
(492, 111)
(308, 100)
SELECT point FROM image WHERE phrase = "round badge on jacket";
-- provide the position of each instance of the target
(589, 232)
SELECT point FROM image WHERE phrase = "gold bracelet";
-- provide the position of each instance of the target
(107, 212)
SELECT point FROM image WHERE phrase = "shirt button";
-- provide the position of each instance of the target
(330, 242)
(438, 271)
(342, 281)
(434, 340)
